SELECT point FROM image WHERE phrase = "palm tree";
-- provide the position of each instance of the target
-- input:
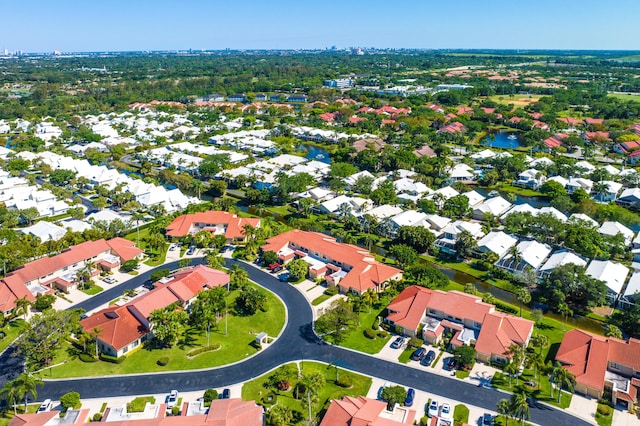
(534, 360)
(369, 297)
(9, 393)
(22, 305)
(517, 354)
(137, 217)
(600, 189)
(239, 276)
(562, 378)
(504, 409)
(524, 297)
(280, 415)
(511, 368)
(565, 311)
(516, 256)
(25, 385)
(540, 341)
(520, 407)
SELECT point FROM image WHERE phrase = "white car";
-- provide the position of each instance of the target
(445, 411)
(433, 408)
(173, 399)
(45, 406)
(109, 280)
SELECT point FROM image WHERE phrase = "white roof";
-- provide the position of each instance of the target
(504, 154)
(585, 165)
(542, 161)
(583, 183)
(474, 197)
(562, 181)
(496, 206)
(612, 273)
(483, 155)
(447, 192)
(581, 216)
(457, 227)
(409, 218)
(563, 257)
(520, 208)
(46, 231)
(75, 225)
(633, 286)
(384, 211)
(497, 242)
(630, 195)
(614, 187)
(106, 215)
(351, 180)
(437, 222)
(533, 252)
(554, 212)
(611, 170)
(614, 228)
(287, 159)
(460, 171)
(333, 204)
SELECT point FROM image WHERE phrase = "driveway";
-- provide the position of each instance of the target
(297, 341)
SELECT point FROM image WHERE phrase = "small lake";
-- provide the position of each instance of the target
(536, 202)
(315, 153)
(501, 140)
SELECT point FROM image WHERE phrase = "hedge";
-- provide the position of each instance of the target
(85, 357)
(369, 334)
(203, 349)
(163, 361)
(112, 359)
(344, 381)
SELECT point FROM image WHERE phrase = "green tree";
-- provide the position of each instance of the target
(456, 207)
(504, 409)
(25, 385)
(251, 300)
(562, 379)
(523, 296)
(404, 254)
(70, 400)
(520, 407)
(168, 324)
(239, 276)
(29, 215)
(207, 307)
(418, 237)
(613, 331)
(342, 170)
(213, 164)
(270, 257)
(385, 193)
(298, 269)
(465, 244)
(280, 415)
(465, 355)
(393, 395)
(337, 321)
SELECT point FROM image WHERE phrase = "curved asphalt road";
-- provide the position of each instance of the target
(297, 341)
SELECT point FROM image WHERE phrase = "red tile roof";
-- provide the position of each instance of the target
(597, 136)
(516, 119)
(499, 331)
(360, 411)
(10, 292)
(425, 151)
(329, 117)
(591, 121)
(375, 144)
(455, 127)
(181, 226)
(570, 121)
(365, 271)
(124, 249)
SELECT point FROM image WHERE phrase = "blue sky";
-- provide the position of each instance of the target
(90, 25)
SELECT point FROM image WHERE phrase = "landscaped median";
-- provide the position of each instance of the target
(191, 351)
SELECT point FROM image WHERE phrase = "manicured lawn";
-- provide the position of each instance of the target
(11, 331)
(462, 374)
(405, 356)
(93, 290)
(137, 404)
(603, 420)
(257, 389)
(158, 258)
(279, 210)
(460, 415)
(357, 340)
(541, 392)
(237, 345)
(501, 421)
(318, 300)
(525, 192)
(625, 97)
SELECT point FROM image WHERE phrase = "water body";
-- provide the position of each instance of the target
(502, 140)
(536, 202)
(315, 153)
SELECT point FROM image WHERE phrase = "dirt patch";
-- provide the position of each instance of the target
(603, 311)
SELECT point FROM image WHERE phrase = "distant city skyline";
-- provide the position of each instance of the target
(81, 26)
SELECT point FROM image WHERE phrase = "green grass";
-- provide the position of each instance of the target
(11, 331)
(435, 362)
(501, 421)
(257, 389)
(137, 404)
(103, 407)
(405, 356)
(625, 97)
(318, 300)
(604, 420)
(279, 210)
(93, 290)
(157, 258)
(237, 345)
(524, 192)
(462, 374)
(541, 392)
(460, 415)
(357, 340)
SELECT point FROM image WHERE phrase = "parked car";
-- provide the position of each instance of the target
(274, 266)
(445, 411)
(109, 280)
(397, 344)
(226, 394)
(411, 394)
(284, 277)
(428, 358)
(45, 406)
(487, 419)
(418, 354)
(450, 364)
(433, 408)
(191, 250)
(173, 247)
(173, 399)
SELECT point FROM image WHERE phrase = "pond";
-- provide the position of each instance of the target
(535, 202)
(315, 153)
(501, 140)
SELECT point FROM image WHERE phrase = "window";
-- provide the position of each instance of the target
(65, 268)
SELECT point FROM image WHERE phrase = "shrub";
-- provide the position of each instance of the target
(604, 410)
(175, 410)
(210, 395)
(85, 357)
(369, 334)
(163, 361)
(383, 334)
(284, 385)
(203, 349)
(112, 359)
(97, 417)
(331, 290)
(70, 400)
(415, 342)
(505, 308)
(270, 399)
(344, 381)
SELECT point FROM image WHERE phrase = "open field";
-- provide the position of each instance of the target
(635, 97)
(516, 100)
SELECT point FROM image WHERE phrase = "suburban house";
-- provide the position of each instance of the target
(496, 242)
(61, 271)
(613, 274)
(216, 222)
(449, 235)
(351, 268)
(628, 298)
(350, 411)
(602, 364)
(124, 328)
(495, 206)
(612, 229)
(222, 412)
(630, 197)
(530, 178)
(559, 258)
(466, 317)
(531, 255)
(579, 183)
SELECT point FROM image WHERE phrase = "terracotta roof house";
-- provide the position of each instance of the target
(602, 363)
(217, 222)
(60, 271)
(592, 121)
(570, 121)
(467, 317)
(349, 267)
(453, 128)
(374, 144)
(223, 412)
(425, 151)
(361, 411)
(124, 328)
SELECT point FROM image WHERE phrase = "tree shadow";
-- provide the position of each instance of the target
(189, 339)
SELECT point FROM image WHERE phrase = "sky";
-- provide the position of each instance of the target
(117, 25)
